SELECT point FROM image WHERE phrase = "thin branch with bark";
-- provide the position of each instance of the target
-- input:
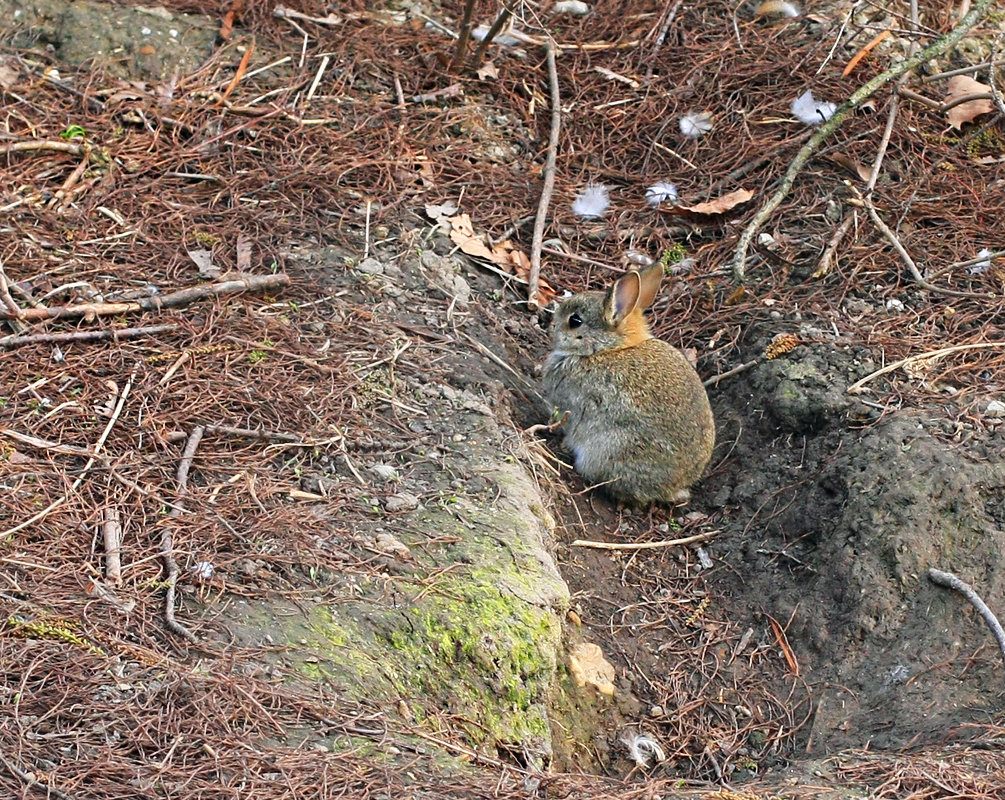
(182, 297)
(950, 581)
(534, 291)
(167, 541)
(115, 334)
(977, 12)
(494, 31)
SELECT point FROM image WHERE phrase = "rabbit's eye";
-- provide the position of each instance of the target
(575, 321)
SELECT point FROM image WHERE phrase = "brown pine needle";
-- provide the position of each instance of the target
(241, 69)
(864, 52)
(783, 642)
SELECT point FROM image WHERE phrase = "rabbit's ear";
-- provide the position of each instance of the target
(622, 298)
(650, 281)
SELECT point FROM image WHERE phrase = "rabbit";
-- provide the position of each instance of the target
(639, 422)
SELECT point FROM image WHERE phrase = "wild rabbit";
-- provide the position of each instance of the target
(639, 420)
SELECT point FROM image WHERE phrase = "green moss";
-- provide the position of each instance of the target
(480, 641)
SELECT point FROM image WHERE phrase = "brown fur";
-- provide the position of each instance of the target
(639, 420)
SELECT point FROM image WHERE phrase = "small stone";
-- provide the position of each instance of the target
(385, 472)
(656, 711)
(203, 571)
(403, 501)
(576, 8)
(392, 545)
(893, 304)
(370, 266)
(995, 409)
(588, 667)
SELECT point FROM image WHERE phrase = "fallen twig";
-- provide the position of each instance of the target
(242, 68)
(5, 297)
(111, 533)
(992, 70)
(281, 12)
(182, 297)
(866, 49)
(534, 280)
(167, 541)
(698, 537)
(463, 37)
(783, 643)
(483, 45)
(950, 581)
(94, 457)
(550, 427)
(58, 147)
(229, 430)
(866, 202)
(824, 264)
(64, 191)
(115, 334)
(936, 48)
(729, 373)
(855, 387)
(668, 17)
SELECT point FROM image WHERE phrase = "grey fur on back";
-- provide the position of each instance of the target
(639, 419)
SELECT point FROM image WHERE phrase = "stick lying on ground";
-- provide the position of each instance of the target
(950, 581)
(977, 12)
(167, 540)
(117, 334)
(247, 283)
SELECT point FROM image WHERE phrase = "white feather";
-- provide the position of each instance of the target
(661, 192)
(592, 202)
(695, 124)
(642, 749)
(810, 111)
(981, 266)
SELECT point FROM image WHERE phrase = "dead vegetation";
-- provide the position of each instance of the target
(344, 131)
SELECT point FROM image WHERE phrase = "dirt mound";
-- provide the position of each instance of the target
(835, 527)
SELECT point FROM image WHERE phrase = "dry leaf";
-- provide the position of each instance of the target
(10, 71)
(204, 261)
(853, 166)
(587, 665)
(437, 211)
(17, 458)
(961, 86)
(487, 71)
(738, 295)
(462, 233)
(504, 255)
(243, 252)
(722, 204)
